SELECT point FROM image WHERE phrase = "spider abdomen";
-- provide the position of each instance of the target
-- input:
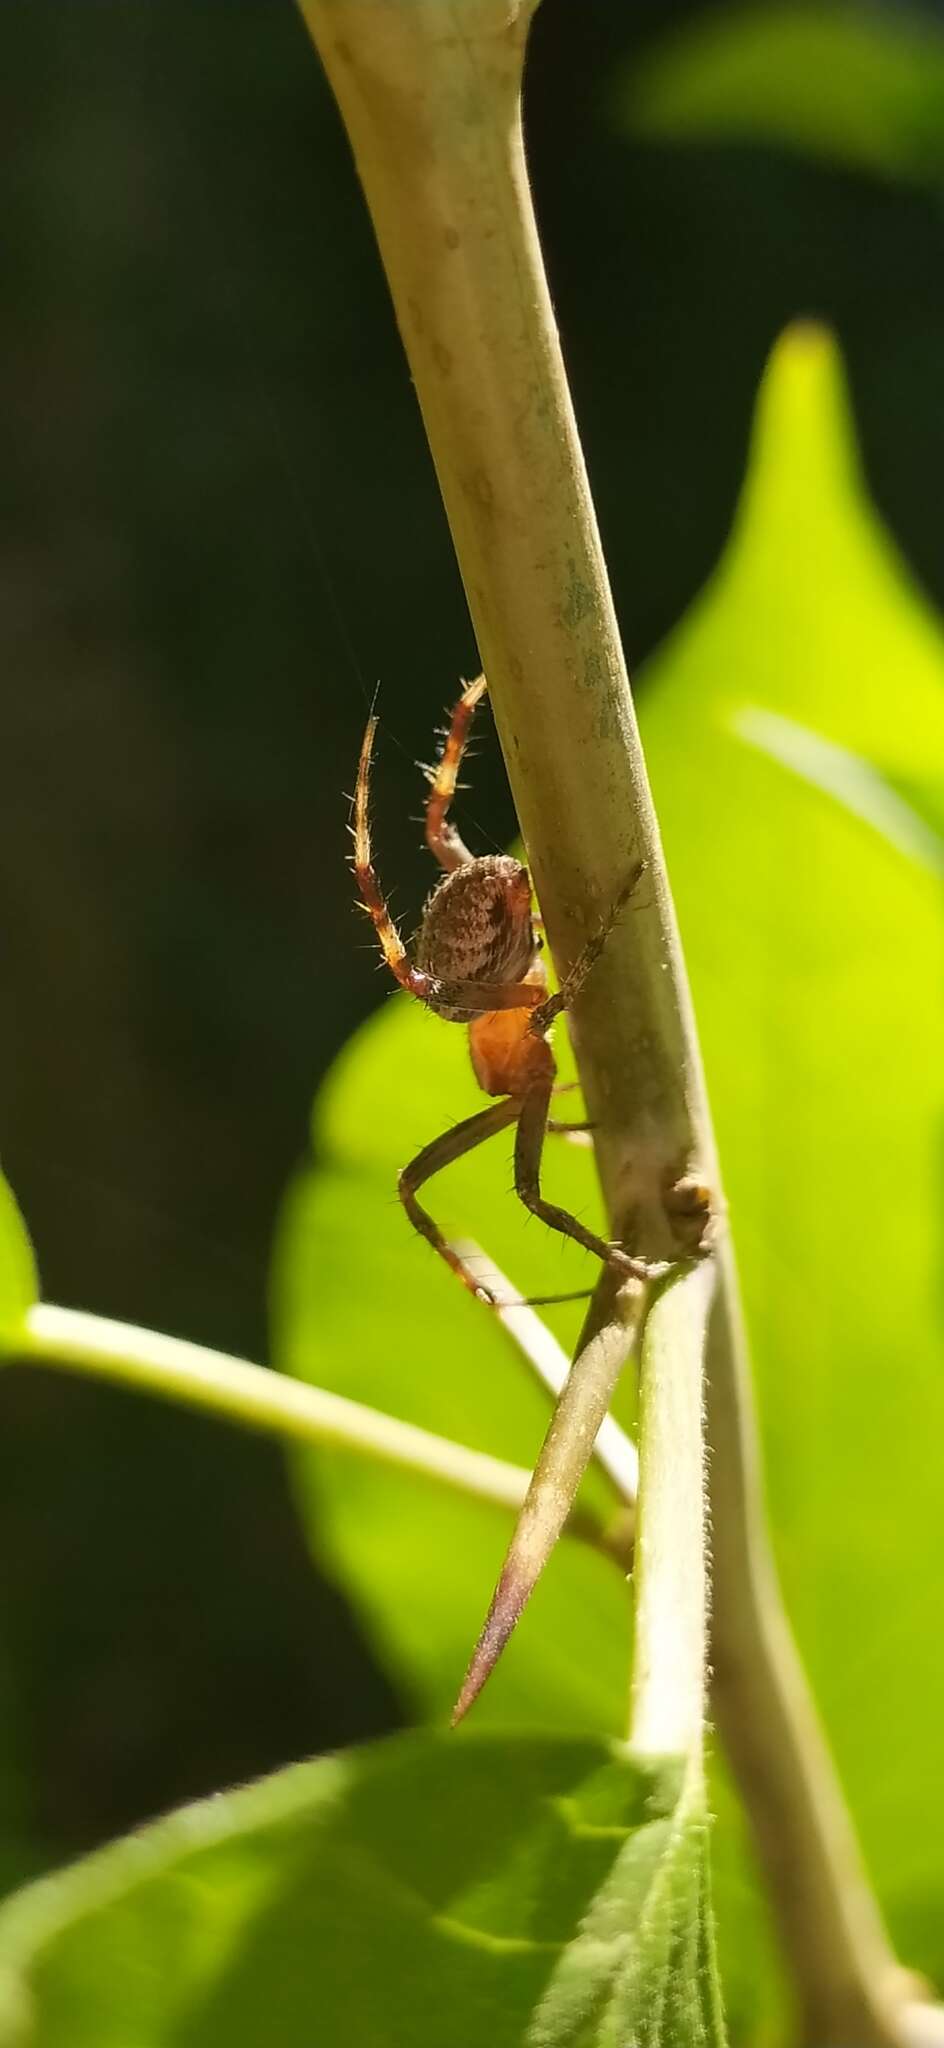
(477, 926)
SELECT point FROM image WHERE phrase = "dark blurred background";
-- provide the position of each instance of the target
(220, 529)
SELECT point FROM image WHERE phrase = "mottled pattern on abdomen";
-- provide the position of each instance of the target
(477, 926)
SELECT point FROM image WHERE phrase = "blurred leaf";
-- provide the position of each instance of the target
(861, 86)
(529, 1892)
(815, 943)
(815, 947)
(907, 824)
(19, 1281)
(926, 799)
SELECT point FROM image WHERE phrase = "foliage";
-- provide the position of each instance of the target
(861, 87)
(19, 1285)
(535, 1891)
(813, 939)
(547, 1889)
(809, 893)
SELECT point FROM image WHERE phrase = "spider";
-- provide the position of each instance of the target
(478, 962)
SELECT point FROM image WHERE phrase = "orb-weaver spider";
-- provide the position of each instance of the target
(478, 963)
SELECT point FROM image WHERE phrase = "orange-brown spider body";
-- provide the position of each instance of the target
(478, 963)
(477, 928)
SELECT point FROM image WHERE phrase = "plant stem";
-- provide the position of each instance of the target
(668, 1698)
(430, 94)
(255, 1398)
(849, 1984)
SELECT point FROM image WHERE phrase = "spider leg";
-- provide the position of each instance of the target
(544, 1015)
(441, 1152)
(479, 997)
(372, 896)
(557, 1127)
(441, 837)
(529, 1146)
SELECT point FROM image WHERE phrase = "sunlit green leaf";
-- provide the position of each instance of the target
(527, 1892)
(19, 1284)
(903, 822)
(815, 944)
(860, 85)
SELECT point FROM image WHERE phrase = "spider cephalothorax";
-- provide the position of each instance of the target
(478, 963)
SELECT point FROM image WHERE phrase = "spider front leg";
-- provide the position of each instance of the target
(368, 882)
(441, 837)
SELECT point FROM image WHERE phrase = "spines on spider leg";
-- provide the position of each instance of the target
(368, 881)
(564, 1456)
(442, 837)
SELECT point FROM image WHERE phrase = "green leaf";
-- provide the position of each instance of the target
(527, 1892)
(19, 1281)
(906, 822)
(858, 86)
(813, 933)
(815, 945)
(362, 1305)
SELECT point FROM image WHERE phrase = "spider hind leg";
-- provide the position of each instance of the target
(453, 1144)
(529, 1148)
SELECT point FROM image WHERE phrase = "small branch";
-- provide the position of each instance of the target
(253, 1397)
(613, 1450)
(430, 95)
(668, 1697)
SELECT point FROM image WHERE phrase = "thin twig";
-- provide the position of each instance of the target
(613, 1450)
(252, 1396)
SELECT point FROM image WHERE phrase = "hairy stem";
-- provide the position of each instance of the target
(670, 1571)
(430, 93)
(848, 1981)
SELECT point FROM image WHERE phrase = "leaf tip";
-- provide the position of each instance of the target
(806, 358)
(508, 1602)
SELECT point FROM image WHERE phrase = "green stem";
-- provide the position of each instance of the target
(850, 1986)
(430, 94)
(668, 1698)
(146, 1362)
